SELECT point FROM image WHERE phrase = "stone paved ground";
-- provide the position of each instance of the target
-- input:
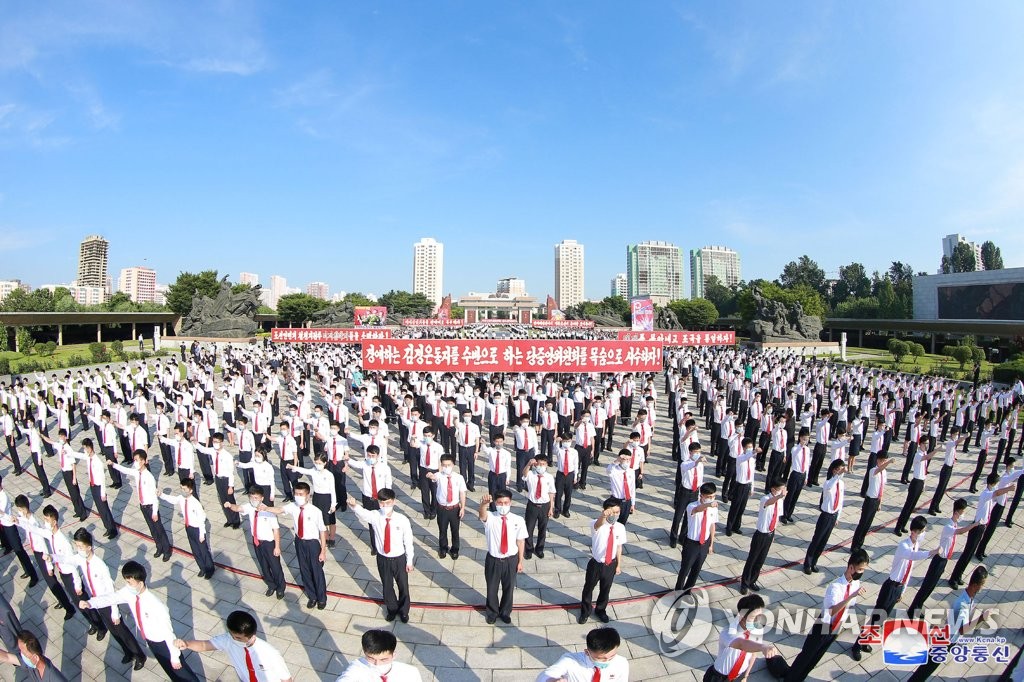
(449, 640)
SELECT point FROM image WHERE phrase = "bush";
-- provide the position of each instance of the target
(48, 349)
(977, 354)
(5, 366)
(29, 366)
(916, 349)
(1004, 373)
(963, 355)
(25, 342)
(948, 351)
(76, 361)
(117, 348)
(99, 353)
(898, 349)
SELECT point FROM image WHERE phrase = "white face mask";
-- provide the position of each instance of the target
(386, 511)
(503, 509)
(371, 462)
(447, 471)
(381, 669)
(300, 500)
(319, 466)
(540, 470)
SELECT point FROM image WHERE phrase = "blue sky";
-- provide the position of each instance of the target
(320, 140)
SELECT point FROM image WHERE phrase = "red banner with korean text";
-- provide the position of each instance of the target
(563, 324)
(674, 338)
(431, 322)
(502, 355)
(326, 335)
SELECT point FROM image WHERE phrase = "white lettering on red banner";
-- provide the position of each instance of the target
(430, 322)
(512, 356)
(671, 338)
(327, 335)
(564, 324)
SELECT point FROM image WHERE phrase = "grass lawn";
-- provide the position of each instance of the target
(926, 363)
(62, 353)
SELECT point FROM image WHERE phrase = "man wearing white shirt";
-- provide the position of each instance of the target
(451, 506)
(832, 498)
(467, 438)
(540, 493)
(702, 517)
(622, 485)
(266, 539)
(395, 553)
(567, 462)
(600, 661)
(253, 659)
(194, 517)
(310, 544)
(937, 566)
(506, 543)
(584, 441)
(378, 661)
(146, 496)
(606, 542)
(768, 516)
(499, 463)
(152, 620)
(877, 481)
(738, 647)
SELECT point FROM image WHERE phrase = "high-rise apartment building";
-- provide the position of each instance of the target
(92, 262)
(949, 243)
(139, 283)
(250, 278)
(7, 287)
(318, 290)
(568, 273)
(655, 269)
(278, 288)
(620, 285)
(512, 287)
(428, 269)
(719, 261)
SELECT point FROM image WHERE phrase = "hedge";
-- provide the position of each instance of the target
(1008, 372)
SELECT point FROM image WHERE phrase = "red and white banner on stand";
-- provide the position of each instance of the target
(431, 322)
(512, 356)
(327, 335)
(563, 324)
(671, 338)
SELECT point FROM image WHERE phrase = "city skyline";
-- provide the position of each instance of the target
(218, 126)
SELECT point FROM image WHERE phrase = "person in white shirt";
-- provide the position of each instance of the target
(325, 496)
(223, 464)
(622, 485)
(702, 517)
(395, 553)
(600, 661)
(738, 647)
(506, 545)
(266, 539)
(152, 620)
(253, 659)
(607, 539)
(451, 506)
(262, 473)
(194, 517)
(539, 487)
(376, 475)
(768, 516)
(67, 468)
(567, 464)
(833, 495)
(378, 661)
(310, 544)
(467, 437)
(146, 496)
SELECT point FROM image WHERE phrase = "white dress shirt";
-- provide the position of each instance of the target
(266, 661)
(400, 534)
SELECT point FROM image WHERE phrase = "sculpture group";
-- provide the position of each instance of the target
(229, 316)
(775, 321)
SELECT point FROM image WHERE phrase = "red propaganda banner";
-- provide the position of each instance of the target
(670, 338)
(431, 322)
(563, 324)
(370, 316)
(326, 335)
(502, 355)
(444, 311)
(642, 309)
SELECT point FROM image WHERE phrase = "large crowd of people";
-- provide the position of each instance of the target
(281, 441)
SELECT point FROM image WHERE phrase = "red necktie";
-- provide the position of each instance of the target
(179, 454)
(334, 451)
(427, 465)
(906, 574)
(597, 675)
(836, 501)
(952, 544)
(186, 512)
(625, 485)
(256, 528)
(302, 517)
(775, 518)
(609, 552)
(249, 666)
(503, 547)
(586, 438)
(387, 536)
(881, 486)
(538, 491)
(467, 435)
(737, 667)
(451, 493)
(838, 618)
(92, 477)
(138, 616)
(703, 526)
(565, 462)
(497, 463)
(88, 578)
(695, 477)
(216, 463)
(373, 482)
(140, 488)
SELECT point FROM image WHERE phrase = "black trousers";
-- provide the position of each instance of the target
(55, 586)
(776, 462)
(888, 595)
(1014, 504)
(428, 492)
(794, 487)
(602, 575)
(311, 570)
(970, 547)
(867, 517)
(609, 433)
(817, 460)
(990, 529)
(163, 656)
(586, 458)
(12, 539)
(936, 567)
(760, 544)
(156, 529)
(448, 521)
(944, 474)
(269, 565)
(75, 494)
(500, 573)
(822, 531)
(120, 632)
(12, 450)
(728, 473)
(200, 549)
(394, 582)
(563, 491)
(536, 519)
(224, 496)
(522, 457)
(467, 466)
(692, 561)
(740, 495)
(44, 479)
(684, 496)
(818, 640)
(910, 504)
(978, 469)
(908, 463)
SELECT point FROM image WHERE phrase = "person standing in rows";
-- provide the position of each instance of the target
(768, 517)
(310, 544)
(378, 663)
(833, 494)
(741, 488)
(801, 460)
(146, 495)
(584, 435)
(506, 546)
(540, 494)
(251, 657)
(266, 539)
(937, 566)
(451, 506)
(878, 477)
(66, 461)
(982, 515)
(36, 533)
(948, 462)
(738, 647)
(566, 460)
(376, 475)
(600, 661)
(919, 472)
(395, 553)
(324, 493)
(194, 517)
(607, 538)
(12, 541)
(468, 440)
(691, 478)
(223, 466)
(702, 517)
(1007, 482)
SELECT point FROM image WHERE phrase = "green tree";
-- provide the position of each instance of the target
(991, 256)
(811, 300)
(963, 259)
(24, 340)
(803, 271)
(865, 308)
(853, 283)
(697, 313)
(898, 349)
(963, 355)
(357, 298)
(617, 304)
(404, 304)
(121, 303)
(458, 312)
(4, 343)
(179, 294)
(299, 308)
(947, 265)
(720, 295)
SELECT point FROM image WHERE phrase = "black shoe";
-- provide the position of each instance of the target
(784, 520)
(527, 555)
(1008, 524)
(139, 663)
(866, 648)
(507, 620)
(728, 533)
(83, 517)
(311, 603)
(32, 583)
(807, 570)
(24, 575)
(898, 533)
(373, 552)
(390, 617)
(855, 653)
(236, 526)
(157, 552)
(321, 606)
(755, 587)
(539, 553)
(981, 557)
(673, 542)
(491, 620)
(743, 588)
(441, 554)
(973, 491)
(330, 544)
(127, 659)
(167, 557)
(557, 514)
(955, 584)
(92, 630)
(101, 635)
(69, 615)
(209, 574)
(581, 619)
(268, 592)
(228, 524)
(58, 606)
(738, 531)
(404, 618)
(814, 569)
(454, 555)
(280, 595)
(603, 617)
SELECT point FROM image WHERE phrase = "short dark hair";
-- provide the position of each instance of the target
(708, 488)
(254, 490)
(376, 642)
(241, 623)
(502, 494)
(31, 642)
(919, 523)
(385, 495)
(84, 536)
(603, 640)
(979, 576)
(610, 503)
(133, 570)
(960, 505)
(858, 556)
(749, 603)
(301, 487)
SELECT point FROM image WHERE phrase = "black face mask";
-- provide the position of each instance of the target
(858, 575)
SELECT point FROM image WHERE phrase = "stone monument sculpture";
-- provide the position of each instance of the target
(335, 315)
(228, 316)
(774, 321)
